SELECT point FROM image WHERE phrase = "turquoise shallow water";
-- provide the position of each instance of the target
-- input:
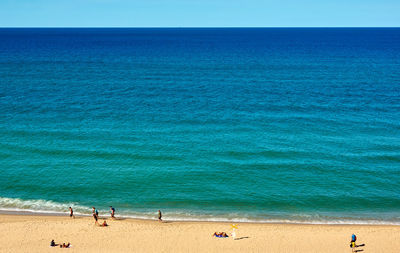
(290, 125)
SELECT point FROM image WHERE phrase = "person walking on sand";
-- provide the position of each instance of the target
(353, 244)
(71, 213)
(112, 211)
(95, 215)
(159, 215)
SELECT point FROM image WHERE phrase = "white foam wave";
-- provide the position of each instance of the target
(238, 219)
(40, 206)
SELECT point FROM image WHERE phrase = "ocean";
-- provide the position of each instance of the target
(297, 125)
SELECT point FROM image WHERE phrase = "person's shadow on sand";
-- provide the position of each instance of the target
(359, 250)
(243, 237)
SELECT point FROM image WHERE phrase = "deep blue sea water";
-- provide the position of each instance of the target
(273, 125)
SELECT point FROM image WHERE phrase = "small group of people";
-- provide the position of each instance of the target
(95, 214)
(53, 244)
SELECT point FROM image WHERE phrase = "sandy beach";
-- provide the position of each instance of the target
(28, 233)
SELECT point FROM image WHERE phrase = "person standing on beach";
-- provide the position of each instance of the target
(159, 215)
(71, 213)
(112, 211)
(233, 234)
(353, 242)
(95, 215)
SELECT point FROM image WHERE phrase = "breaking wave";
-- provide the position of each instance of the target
(39, 206)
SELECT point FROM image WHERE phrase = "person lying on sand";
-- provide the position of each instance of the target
(220, 234)
(104, 224)
(53, 244)
(65, 245)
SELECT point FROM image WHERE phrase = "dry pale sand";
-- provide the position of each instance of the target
(22, 233)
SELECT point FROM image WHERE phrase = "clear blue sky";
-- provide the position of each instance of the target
(195, 13)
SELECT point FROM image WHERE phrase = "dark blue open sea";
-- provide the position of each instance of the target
(265, 125)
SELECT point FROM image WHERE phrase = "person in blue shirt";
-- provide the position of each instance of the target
(353, 242)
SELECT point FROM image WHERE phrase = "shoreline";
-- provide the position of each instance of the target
(133, 219)
(33, 233)
(272, 221)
